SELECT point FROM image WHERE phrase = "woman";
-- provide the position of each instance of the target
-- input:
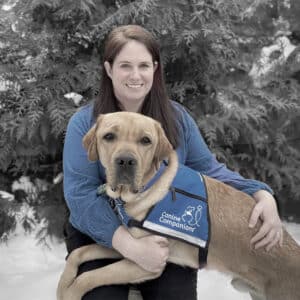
(132, 80)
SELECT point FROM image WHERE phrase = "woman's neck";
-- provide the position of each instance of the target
(131, 107)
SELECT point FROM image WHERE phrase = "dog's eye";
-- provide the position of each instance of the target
(109, 136)
(145, 140)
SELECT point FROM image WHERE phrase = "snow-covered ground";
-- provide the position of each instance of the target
(29, 271)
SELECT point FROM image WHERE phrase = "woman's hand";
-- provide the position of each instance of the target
(270, 233)
(150, 252)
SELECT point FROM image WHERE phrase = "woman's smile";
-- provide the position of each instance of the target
(134, 85)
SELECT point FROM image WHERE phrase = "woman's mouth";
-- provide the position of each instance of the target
(134, 85)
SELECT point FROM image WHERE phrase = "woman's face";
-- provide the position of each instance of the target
(132, 75)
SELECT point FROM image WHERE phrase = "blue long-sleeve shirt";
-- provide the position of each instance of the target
(91, 213)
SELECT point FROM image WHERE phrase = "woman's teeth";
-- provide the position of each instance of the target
(134, 86)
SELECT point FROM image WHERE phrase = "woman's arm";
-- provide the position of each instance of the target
(200, 158)
(89, 213)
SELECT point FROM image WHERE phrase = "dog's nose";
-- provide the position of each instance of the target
(126, 168)
(125, 161)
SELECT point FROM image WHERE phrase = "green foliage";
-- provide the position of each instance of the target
(7, 220)
(51, 48)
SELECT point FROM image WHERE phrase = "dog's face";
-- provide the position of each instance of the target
(130, 146)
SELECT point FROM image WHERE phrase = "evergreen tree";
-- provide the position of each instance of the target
(50, 49)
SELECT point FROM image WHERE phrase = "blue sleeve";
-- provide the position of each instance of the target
(89, 213)
(200, 158)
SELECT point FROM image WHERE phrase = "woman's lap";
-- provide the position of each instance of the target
(175, 282)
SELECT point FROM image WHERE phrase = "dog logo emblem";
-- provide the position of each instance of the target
(192, 215)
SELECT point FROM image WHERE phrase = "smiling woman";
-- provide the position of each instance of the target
(132, 75)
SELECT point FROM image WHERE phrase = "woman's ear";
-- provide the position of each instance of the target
(108, 69)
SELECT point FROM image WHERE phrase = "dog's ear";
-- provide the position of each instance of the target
(90, 141)
(164, 147)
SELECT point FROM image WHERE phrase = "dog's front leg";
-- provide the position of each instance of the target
(121, 272)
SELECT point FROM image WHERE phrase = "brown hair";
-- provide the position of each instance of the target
(157, 104)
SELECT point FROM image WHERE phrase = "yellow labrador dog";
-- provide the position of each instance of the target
(142, 144)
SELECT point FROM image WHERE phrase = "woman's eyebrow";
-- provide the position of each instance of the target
(129, 62)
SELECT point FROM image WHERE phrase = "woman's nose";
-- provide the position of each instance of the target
(135, 73)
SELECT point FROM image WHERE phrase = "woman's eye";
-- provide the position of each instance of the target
(125, 66)
(109, 137)
(145, 66)
(145, 140)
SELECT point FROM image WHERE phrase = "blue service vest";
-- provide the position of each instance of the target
(181, 214)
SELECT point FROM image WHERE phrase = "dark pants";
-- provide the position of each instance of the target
(175, 282)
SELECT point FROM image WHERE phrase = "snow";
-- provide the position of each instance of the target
(30, 271)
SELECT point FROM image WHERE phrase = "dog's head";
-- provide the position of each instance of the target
(130, 146)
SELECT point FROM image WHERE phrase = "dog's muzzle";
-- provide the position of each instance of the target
(125, 169)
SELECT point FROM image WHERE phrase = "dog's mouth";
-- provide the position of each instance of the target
(124, 181)
(121, 184)
(121, 188)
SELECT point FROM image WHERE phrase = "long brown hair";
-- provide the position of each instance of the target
(157, 104)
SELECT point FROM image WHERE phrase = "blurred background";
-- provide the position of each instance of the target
(234, 64)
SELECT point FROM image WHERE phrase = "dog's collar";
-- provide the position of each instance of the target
(155, 177)
(119, 206)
